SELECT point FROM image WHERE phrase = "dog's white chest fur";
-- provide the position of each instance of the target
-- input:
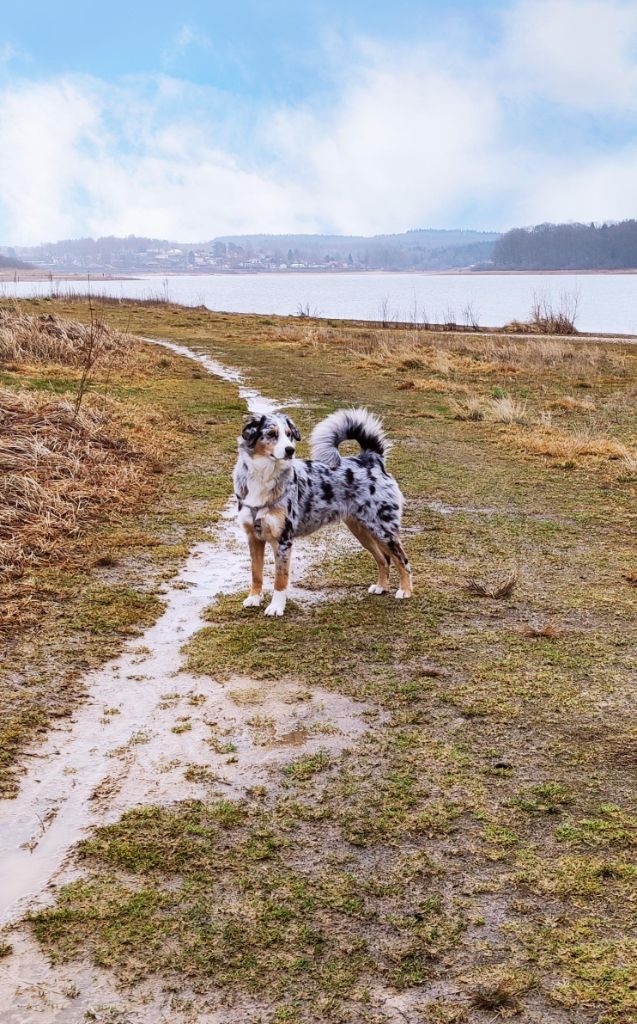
(260, 481)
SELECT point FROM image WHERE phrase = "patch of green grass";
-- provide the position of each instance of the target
(597, 971)
(240, 916)
(113, 609)
(304, 767)
(613, 827)
(545, 798)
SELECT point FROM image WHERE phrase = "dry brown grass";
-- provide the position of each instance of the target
(47, 338)
(569, 404)
(629, 461)
(64, 464)
(470, 408)
(548, 317)
(60, 470)
(498, 590)
(495, 410)
(501, 995)
(569, 447)
(445, 353)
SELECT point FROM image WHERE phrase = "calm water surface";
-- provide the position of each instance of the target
(606, 302)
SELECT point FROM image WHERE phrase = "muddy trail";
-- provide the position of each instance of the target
(144, 724)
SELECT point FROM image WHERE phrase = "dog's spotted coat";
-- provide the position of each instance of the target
(281, 497)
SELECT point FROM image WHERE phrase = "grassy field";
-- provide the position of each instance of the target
(470, 859)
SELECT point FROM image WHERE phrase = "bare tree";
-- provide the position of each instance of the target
(88, 356)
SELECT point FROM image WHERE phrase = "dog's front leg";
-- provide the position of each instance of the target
(282, 556)
(257, 550)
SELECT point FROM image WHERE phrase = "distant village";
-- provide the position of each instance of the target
(219, 256)
(418, 249)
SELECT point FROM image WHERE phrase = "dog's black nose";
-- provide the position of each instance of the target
(289, 452)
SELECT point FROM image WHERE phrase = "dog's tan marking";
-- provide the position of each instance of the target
(257, 551)
(266, 445)
(272, 524)
(369, 542)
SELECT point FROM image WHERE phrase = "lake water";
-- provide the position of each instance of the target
(606, 302)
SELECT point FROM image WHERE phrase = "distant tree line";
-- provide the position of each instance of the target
(13, 263)
(568, 247)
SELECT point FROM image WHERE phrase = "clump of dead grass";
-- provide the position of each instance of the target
(504, 409)
(571, 446)
(470, 408)
(47, 338)
(629, 461)
(569, 404)
(548, 317)
(498, 589)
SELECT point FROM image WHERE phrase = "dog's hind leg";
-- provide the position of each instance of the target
(399, 556)
(282, 558)
(257, 550)
(369, 542)
(393, 548)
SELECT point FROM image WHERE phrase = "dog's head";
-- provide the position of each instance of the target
(271, 437)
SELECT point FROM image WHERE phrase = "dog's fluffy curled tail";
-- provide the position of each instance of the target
(344, 425)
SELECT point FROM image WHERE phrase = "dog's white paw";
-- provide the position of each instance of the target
(274, 609)
(252, 601)
(376, 589)
(277, 604)
(401, 595)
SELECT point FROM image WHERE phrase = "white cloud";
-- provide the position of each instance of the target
(602, 188)
(65, 170)
(406, 145)
(581, 53)
(412, 136)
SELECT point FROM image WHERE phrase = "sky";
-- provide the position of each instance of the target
(197, 118)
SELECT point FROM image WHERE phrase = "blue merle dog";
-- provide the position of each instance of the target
(281, 497)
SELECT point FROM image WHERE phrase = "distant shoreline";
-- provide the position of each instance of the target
(8, 275)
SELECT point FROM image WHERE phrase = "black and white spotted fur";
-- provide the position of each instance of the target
(281, 497)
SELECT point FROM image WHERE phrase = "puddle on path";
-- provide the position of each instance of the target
(146, 721)
(444, 509)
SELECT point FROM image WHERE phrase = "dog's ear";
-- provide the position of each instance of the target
(294, 430)
(251, 428)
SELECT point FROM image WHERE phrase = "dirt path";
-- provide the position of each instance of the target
(150, 732)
